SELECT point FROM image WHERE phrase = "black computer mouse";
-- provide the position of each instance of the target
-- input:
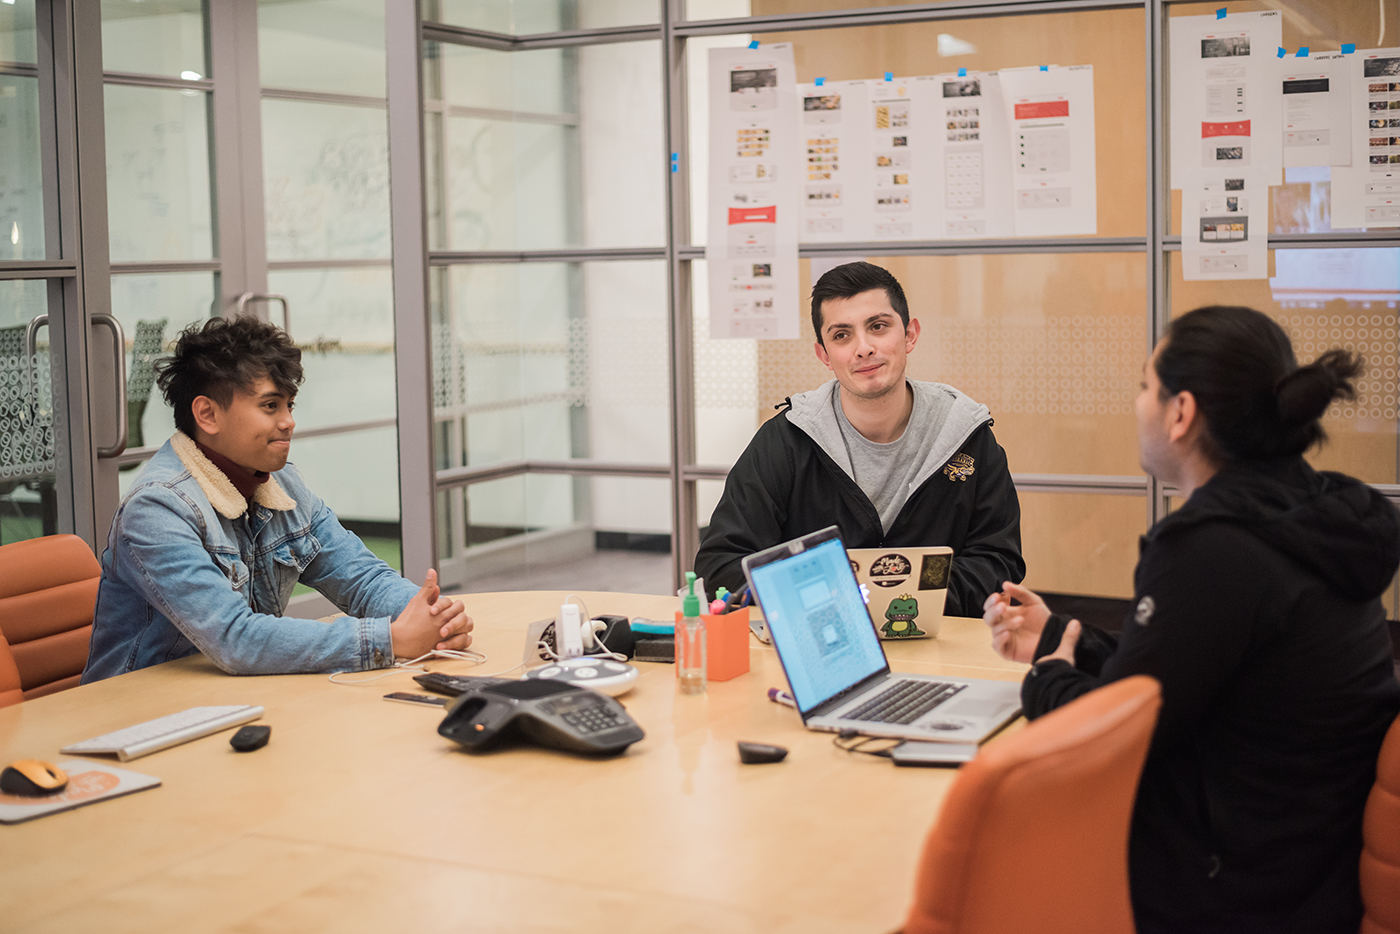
(31, 778)
(757, 753)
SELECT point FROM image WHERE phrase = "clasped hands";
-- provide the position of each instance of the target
(1016, 629)
(430, 622)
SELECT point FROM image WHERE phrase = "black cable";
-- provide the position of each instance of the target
(843, 741)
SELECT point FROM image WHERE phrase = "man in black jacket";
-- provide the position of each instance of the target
(890, 461)
(1257, 608)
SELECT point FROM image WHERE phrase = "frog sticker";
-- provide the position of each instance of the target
(899, 618)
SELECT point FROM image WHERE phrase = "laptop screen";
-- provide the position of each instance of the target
(819, 623)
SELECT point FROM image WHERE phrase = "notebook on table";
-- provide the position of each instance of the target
(835, 665)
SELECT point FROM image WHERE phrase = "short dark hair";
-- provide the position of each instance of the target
(848, 281)
(1257, 402)
(224, 354)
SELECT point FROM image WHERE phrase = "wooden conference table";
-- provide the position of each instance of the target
(357, 816)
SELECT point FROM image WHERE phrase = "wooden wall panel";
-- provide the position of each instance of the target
(1081, 543)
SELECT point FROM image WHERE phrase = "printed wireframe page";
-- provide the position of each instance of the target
(898, 188)
(1367, 192)
(1050, 112)
(754, 193)
(834, 146)
(1316, 110)
(970, 149)
(1225, 95)
(1224, 226)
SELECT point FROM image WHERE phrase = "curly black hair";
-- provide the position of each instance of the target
(222, 355)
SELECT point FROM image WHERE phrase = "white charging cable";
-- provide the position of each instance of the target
(413, 664)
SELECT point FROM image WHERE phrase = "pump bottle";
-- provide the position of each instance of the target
(690, 642)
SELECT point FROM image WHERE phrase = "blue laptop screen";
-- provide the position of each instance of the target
(819, 623)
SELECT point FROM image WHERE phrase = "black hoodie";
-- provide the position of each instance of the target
(1257, 607)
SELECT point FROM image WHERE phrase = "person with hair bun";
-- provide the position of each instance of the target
(1257, 606)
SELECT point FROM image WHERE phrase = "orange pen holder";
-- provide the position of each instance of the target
(726, 644)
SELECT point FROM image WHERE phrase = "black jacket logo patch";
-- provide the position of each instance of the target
(960, 467)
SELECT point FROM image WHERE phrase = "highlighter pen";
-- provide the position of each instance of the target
(779, 696)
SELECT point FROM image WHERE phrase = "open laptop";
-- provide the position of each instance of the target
(836, 666)
(906, 588)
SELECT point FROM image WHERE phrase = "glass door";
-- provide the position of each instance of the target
(28, 493)
(46, 339)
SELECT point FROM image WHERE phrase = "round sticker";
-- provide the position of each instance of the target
(890, 570)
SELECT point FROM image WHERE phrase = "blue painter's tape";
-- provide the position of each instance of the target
(1302, 53)
(1220, 13)
(889, 76)
(962, 72)
(821, 81)
(1348, 48)
(1282, 51)
(1044, 67)
(753, 44)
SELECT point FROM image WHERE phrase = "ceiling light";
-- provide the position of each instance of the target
(949, 44)
(191, 75)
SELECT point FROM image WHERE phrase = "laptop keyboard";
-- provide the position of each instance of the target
(904, 702)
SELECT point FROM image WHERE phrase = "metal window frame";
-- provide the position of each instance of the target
(673, 30)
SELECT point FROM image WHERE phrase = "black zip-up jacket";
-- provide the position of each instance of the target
(785, 485)
(1257, 607)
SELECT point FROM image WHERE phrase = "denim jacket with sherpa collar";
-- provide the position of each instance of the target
(191, 566)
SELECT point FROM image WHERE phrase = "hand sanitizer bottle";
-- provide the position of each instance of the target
(690, 642)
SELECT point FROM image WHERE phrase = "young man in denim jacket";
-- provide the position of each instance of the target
(218, 529)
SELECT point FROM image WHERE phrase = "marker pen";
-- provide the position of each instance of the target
(779, 696)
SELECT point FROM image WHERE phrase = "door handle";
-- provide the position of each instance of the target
(31, 349)
(119, 352)
(247, 298)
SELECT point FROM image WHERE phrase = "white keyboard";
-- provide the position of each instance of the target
(155, 735)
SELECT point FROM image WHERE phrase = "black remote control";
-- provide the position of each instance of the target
(456, 685)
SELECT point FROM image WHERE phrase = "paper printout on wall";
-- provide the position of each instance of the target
(754, 193)
(1051, 117)
(1317, 110)
(900, 189)
(1224, 226)
(1367, 192)
(1225, 95)
(969, 188)
(834, 147)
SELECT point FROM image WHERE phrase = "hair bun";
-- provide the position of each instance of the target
(1305, 394)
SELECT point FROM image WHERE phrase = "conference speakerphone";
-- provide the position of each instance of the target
(544, 712)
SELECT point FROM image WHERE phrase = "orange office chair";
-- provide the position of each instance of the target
(1380, 856)
(1034, 832)
(10, 692)
(48, 592)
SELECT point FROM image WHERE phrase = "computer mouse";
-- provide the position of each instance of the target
(31, 778)
(758, 753)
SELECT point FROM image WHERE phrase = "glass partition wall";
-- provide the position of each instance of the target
(1050, 333)
(484, 222)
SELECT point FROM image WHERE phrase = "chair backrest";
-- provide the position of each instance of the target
(1033, 835)
(48, 592)
(10, 692)
(1380, 857)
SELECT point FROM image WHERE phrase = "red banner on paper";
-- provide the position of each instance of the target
(768, 215)
(1238, 128)
(1039, 110)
